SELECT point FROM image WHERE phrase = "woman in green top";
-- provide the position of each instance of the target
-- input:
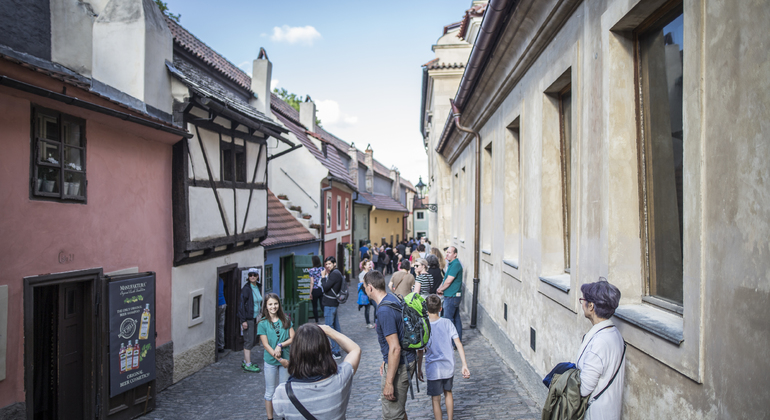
(276, 332)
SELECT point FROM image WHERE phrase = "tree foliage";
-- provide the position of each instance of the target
(292, 99)
(164, 9)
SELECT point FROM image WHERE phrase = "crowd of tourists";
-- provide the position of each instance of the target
(306, 376)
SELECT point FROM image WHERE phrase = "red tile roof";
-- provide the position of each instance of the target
(384, 202)
(473, 12)
(332, 161)
(198, 48)
(282, 226)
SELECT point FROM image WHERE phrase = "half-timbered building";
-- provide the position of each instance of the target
(219, 192)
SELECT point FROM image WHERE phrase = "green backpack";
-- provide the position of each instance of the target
(414, 313)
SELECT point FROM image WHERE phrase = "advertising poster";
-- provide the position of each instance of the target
(132, 332)
(302, 266)
(245, 275)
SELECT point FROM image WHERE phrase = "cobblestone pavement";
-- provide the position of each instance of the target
(224, 391)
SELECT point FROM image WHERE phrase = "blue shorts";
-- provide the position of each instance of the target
(439, 386)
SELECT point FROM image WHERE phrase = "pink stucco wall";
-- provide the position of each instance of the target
(126, 223)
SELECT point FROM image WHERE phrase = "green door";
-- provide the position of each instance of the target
(297, 287)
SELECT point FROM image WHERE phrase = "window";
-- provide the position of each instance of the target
(233, 165)
(565, 128)
(375, 220)
(268, 278)
(420, 215)
(387, 220)
(328, 211)
(512, 196)
(196, 307)
(398, 220)
(487, 171)
(339, 212)
(58, 156)
(347, 213)
(660, 48)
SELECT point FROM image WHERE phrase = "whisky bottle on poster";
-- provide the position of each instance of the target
(144, 329)
(136, 356)
(129, 356)
(122, 356)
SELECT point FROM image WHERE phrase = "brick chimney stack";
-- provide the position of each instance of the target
(395, 190)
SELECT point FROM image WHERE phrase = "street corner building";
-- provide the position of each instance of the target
(572, 140)
(87, 192)
(134, 177)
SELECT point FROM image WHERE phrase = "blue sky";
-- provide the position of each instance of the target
(359, 60)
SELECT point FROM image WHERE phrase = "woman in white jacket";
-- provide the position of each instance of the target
(601, 355)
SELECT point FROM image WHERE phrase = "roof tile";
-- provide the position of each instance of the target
(384, 202)
(198, 48)
(282, 226)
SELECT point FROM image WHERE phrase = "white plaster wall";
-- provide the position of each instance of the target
(202, 275)
(131, 44)
(197, 162)
(205, 218)
(307, 171)
(252, 152)
(257, 218)
(714, 372)
(227, 201)
(71, 35)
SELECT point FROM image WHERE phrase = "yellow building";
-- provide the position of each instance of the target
(386, 219)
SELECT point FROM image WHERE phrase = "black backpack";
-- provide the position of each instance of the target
(342, 296)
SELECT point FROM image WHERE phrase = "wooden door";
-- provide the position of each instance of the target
(289, 294)
(72, 349)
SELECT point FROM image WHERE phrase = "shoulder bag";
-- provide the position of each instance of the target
(298, 405)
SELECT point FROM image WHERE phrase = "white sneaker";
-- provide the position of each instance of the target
(370, 326)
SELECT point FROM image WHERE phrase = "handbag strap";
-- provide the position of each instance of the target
(298, 405)
(616, 372)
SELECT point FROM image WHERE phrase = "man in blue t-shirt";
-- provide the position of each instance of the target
(451, 289)
(390, 331)
(364, 250)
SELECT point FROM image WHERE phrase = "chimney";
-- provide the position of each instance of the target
(131, 43)
(261, 75)
(396, 188)
(369, 162)
(353, 165)
(307, 115)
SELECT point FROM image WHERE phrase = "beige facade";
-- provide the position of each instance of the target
(386, 224)
(579, 180)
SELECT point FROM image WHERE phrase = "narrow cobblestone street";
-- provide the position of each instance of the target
(224, 391)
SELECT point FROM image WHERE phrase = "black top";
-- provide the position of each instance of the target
(246, 304)
(401, 249)
(331, 287)
(438, 278)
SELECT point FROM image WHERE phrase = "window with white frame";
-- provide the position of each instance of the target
(512, 194)
(420, 215)
(347, 213)
(328, 211)
(339, 212)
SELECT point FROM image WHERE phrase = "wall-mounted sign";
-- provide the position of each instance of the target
(132, 332)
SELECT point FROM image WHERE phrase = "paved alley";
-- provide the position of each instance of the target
(224, 391)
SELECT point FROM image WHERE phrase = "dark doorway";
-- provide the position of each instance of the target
(232, 292)
(230, 275)
(61, 348)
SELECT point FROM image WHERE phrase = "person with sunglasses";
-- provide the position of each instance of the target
(248, 310)
(424, 281)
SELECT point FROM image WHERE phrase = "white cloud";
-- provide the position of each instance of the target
(247, 67)
(273, 84)
(295, 35)
(330, 115)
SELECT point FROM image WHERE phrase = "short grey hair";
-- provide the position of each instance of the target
(604, 296)
(432, 260)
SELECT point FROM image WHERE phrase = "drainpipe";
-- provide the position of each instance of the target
(323, 216)
(353, 229)
(477, 212)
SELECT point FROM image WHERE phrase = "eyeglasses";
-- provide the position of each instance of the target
(583, 300)
(252, 275)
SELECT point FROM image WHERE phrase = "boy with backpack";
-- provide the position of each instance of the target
(439, 358)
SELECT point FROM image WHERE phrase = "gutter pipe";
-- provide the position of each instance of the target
(496, 17)
(477, 211)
